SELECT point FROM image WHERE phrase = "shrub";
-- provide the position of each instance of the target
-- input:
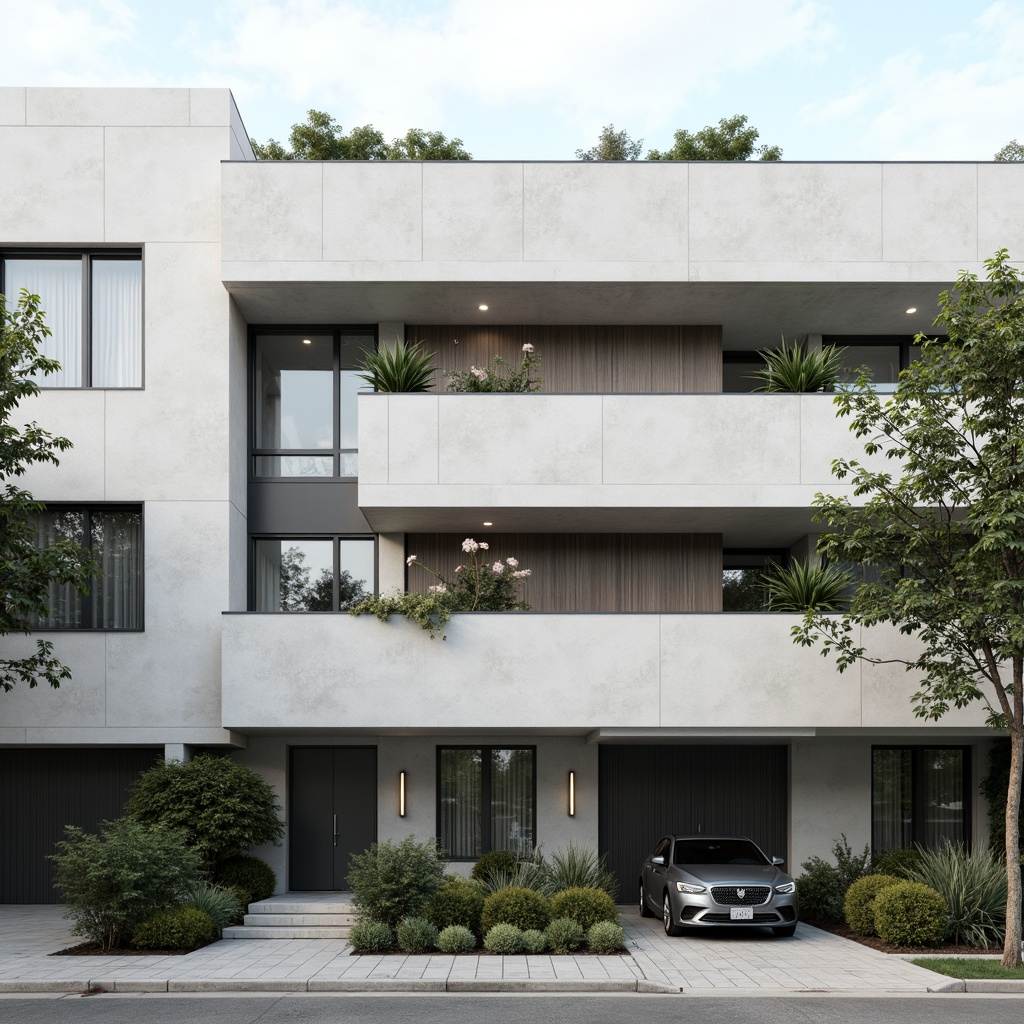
(898, 863)
(495, 860)
(859, 906)
(458, 901)
(584, 906)
(973, 884)
(250, 874)
(221, 806)
(797, 369)
(371, 937)
(416, 935)
(391, 881)
(800, 586)
(113, 881)
(534, 941)
(911, 914)
(526, 874)
(524, 908)
(500, 376)
(219, 904)
(456, 939)
(504, 938)
(175, 928)
(581, 867)
(823, 886)
(564, 935)
(605, 937)
(399, 368)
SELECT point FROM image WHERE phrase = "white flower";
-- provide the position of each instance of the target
(469, 545)
(458, 568)
(484, 547)
(498, 568)
(438, 588)
(527, 347)
(478, 372)
(410, 559)
(521, 574)
(511, 561)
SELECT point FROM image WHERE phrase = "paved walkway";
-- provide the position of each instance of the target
(723, 961)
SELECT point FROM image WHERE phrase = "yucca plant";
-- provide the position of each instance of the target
(973, 883)
(527, 874)
(401, 368)
(801, 585)
(795, 369)
(580, 867)
(220, 904)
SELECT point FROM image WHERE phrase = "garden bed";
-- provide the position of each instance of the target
(884, 947)
(94, 949)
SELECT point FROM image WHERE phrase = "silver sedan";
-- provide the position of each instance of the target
(701, 881)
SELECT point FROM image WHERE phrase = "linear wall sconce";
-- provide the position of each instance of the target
(572, 794)
(401, 794)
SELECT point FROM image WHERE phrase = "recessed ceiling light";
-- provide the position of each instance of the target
(306, 341)
(483, 307)
(488, 524)
(913, 309)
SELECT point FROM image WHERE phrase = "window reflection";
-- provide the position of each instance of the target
(299, 574)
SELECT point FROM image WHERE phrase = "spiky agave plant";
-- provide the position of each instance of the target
(801, 585)
(795, 369)
(401, 368)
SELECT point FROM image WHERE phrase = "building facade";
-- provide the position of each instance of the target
(210, 313)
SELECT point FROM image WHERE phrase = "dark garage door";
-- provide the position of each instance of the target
(41, 791)
(649, 791)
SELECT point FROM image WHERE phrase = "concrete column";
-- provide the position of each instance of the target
(813, 342)
(387, 331)
(177, 752)
(390, 562)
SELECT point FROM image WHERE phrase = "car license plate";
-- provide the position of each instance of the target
(741, 913)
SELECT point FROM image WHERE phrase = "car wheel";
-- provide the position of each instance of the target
(787, 931)
(671, 928)
(645, 911)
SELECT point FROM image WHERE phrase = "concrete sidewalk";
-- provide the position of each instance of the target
(751, 960)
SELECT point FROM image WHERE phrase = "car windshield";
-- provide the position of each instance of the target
(689, 852)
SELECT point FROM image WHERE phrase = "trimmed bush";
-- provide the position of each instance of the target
(391, 881)
(579, 867)
(584, 906)
(221, 806)
(859, 906)
(911, 914)
(564, 935)
(534, 941)
(496, 860)
(456, 939)
(604, 937)
(249, 874)
(219, 904)
(371, 937)
(523, 908)
(111, 882)
(175, 928)
(822, 886)
(458, 901)
(505, 939)
(416, 935)
(899, 863)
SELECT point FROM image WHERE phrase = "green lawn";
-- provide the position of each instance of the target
(957, 968)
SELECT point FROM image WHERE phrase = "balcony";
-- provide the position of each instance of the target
(692, 674)
(746, 466)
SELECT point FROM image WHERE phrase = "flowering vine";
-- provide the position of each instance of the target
(498, 377)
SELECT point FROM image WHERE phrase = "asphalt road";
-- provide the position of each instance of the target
(506, 1009)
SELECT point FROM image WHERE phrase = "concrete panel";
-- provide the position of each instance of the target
(767, 212)
(238, 403)
(272, 211)
(930, 212)
(12, 105)
(51, 188)
(1001, 209)
(390, 562)
(238, 560)
(701, 440)
(472, 212)
(181, 198)
(110, 107)
(210, 108)
(733, 671)
(519, 439)
(374, 448)
(824, 436)
(576, 212)
(361, 198)
(412, 435)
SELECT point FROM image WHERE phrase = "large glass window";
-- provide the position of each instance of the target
(742, 578)
(918, 796)
(312, 574)
(93, 307)
(486, 800)
(305, 388)
(114, 536)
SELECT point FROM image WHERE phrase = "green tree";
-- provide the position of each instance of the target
(945, 527)
(26, 571)
(612, 145)
(320, 137)
(731, 140)
(1012, 151)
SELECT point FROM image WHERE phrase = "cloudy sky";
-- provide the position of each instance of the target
(537, 79)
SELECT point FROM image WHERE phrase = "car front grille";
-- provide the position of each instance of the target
(729, 895)
(725, 919)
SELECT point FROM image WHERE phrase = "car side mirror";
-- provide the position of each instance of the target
(658, 860)
(778, 861)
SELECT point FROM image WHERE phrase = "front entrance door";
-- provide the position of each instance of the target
(332, 813)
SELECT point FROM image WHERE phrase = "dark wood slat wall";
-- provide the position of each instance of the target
(592, 572)
(587, 359)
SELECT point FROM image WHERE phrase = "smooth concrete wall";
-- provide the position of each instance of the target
(658, 221)
(557, 671)
(417, 756)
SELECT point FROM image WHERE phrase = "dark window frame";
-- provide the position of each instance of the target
(485, 791)
(86, 255)
(87, 508)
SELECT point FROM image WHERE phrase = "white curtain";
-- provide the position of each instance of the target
(892, 799)
(460, 784)
(117, 590)
(512, 801)
(63, 601)
(116, 323)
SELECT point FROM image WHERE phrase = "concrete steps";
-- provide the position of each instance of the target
(281, 917)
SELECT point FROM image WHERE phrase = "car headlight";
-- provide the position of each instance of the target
(786, 888)
(686, 887)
